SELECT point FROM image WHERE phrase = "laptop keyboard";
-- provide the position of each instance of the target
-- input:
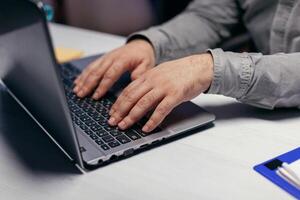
(92, 116)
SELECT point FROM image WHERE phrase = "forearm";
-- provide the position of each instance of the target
(266, 81)
(202, 25)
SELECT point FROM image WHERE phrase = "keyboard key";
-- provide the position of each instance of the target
(101, 133)
(138, 130)
(77, 121)
(79, 113)
(93, 114)
(141, 133)
(88, 131)
(102, 119)
(99, 142)
(107, 138)
(132, 135)
(109, 128)
(85, 109)
(74, 109)
(97, 118)
(94, 136)
(96, 128)
(94, 104)
(123, 139)
(103, 123)
(100, 109)
(90, 110)
(105, 115)
(104, 147)
(85, 118)
(83, 127)
(113, 144)
(115, 133)
(90, 123)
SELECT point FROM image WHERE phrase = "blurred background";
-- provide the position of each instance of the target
(123, 17)
(120, 17)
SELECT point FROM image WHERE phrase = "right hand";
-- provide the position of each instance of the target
(137, 56)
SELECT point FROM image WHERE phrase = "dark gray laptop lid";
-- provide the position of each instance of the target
(29, 70)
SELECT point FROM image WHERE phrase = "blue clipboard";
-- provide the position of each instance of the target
(268, 170)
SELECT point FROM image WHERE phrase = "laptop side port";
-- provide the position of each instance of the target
(113, 157)
(100, 161)
(155, 142)
(128, 152)
(143, 146)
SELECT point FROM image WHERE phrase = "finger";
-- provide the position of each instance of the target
(127, 92)
(145, 104)
(91, 80)
(109, 78)
(126, 101)
(161, 111)
(79, 80)
(90, 84)
(138, 71)
(87, 70)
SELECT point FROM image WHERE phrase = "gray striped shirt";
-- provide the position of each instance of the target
(268, 79)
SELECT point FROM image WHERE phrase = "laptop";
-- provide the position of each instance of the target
(43, 88)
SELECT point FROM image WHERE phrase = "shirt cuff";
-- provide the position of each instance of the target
(232, 73)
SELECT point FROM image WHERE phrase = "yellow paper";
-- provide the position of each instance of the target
(67, 54)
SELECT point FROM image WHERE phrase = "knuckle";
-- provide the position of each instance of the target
(143, 103)
(109, 74)
(189, 89)
(88, 70)
(152, 121)
(176, 94)
(92, 78)
(127, 96)
(106, 62)
(162, 110)
(120, 62)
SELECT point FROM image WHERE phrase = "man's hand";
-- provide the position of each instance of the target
(136, 56)
(162, 88)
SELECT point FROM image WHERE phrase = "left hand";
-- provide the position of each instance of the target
(162, 88)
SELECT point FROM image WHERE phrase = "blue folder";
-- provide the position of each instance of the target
(268, 170)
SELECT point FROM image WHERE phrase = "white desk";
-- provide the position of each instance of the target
(213, 164)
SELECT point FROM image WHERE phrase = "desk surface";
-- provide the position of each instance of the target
(215, 163)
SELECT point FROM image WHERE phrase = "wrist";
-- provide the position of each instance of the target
(206, 65)
(146, 46)
(210, 69)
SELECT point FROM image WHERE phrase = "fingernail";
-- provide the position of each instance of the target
(112, 121)
(76, 89)
(111, 111)
(146, 128)
(122, 125)
(96, 95)
(80, 93)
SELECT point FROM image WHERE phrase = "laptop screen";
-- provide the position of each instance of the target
(29, 70)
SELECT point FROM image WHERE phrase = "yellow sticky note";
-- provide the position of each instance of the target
(67, 54)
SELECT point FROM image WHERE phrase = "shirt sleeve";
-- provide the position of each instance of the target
(203, 25)
(266, 81)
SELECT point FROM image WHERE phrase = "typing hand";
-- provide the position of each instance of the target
(136, 56)
(162, 88)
